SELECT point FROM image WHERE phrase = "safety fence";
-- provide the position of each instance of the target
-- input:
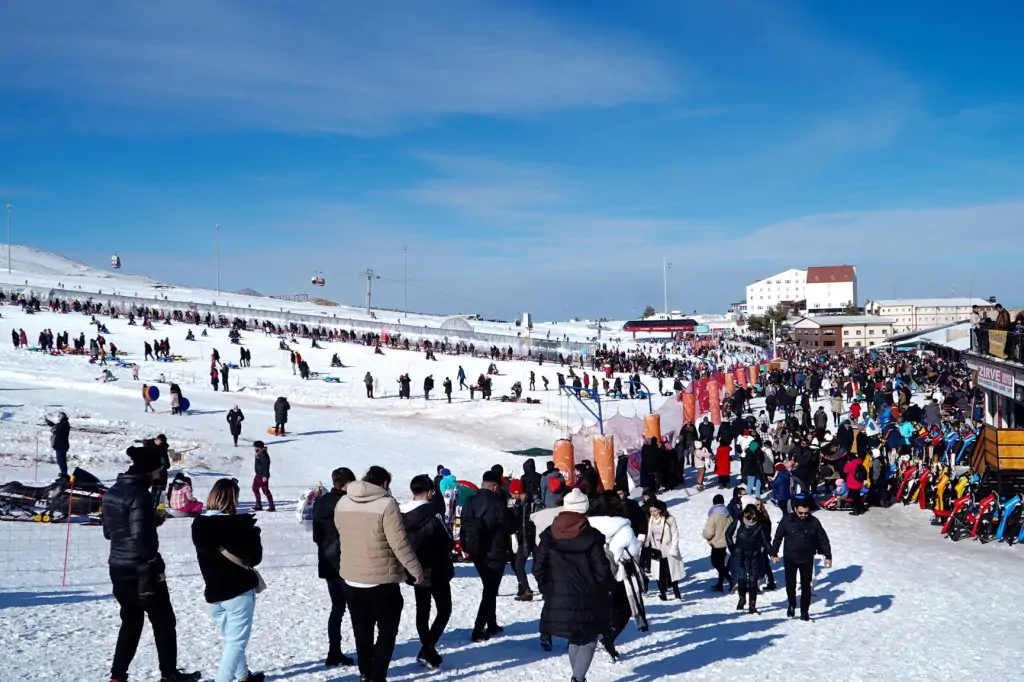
(521, 344)
(60, 554)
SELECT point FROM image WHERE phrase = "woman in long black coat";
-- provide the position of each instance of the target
(574, 575)
(748, 547)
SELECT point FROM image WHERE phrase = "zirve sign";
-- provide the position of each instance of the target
(996, 379)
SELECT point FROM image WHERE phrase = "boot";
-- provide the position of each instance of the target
(525, 595)
(429, 657)
(675, 589)
(254, 677)
(494, 630)
(271, 508)
(182, 676)
(752, 609)
(718, 587)
(742, 604)
(805, 616)
(545, 642)
(336, 658)
(609, 646)
(480, 635)
(791, 612)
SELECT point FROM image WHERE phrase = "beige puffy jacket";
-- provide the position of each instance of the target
(374, 547)
(716, 526)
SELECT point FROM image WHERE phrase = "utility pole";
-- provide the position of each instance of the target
(370, 275)
(775, 345)
(405, 276)
(10, 210)
(216, 229)
(665, 265)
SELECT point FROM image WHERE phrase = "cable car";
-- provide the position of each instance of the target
(115, 262)
(317, 280)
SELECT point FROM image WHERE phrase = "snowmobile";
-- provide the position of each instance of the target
(53, 502)
(1010, 521)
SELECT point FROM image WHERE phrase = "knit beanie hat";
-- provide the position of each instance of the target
(576, 501)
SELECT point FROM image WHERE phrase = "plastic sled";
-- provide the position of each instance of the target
(271, 431)
(332, 380)
(1011, 517)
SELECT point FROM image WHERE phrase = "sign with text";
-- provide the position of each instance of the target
(996, 379)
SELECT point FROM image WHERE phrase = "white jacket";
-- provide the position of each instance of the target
(663, 535)
(618, 540)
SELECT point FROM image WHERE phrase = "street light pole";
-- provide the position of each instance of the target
(216, 230)
(405, 276)
(10, 210)
(665, 265)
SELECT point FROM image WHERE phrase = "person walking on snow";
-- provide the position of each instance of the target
(369, 521)
(224, 377)
(228, 547)
(60, 436)
(328, 547)
(433, 545)
(137, 569)
(447, 385)
(461, 376)
(662, 541)
(261, 479)
(714, 532)
(487, 527)
(368, 381)
(803, 537)
(145, 399)
(748, 547)
(235, 419)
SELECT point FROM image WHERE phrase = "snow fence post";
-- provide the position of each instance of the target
(67, 537)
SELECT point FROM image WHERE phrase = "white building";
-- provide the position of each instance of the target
(830, 289)
(767, 293)
(915, 314)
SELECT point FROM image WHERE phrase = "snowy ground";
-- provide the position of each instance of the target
(899, 603)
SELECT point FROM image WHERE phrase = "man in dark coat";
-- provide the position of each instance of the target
(160, 447)
(281, 408)
(328, 546)
(804, 537)
(706, 433)
(531, 482)
(486, 535)
(261, 476)
(574, 575)
(430, 540)
(525, 537)
(137, 569)
(235, 419)
(650, 458)
(60, 441)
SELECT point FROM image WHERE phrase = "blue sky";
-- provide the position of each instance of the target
(533, 155)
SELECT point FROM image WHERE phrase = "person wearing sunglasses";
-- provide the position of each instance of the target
(804, 537)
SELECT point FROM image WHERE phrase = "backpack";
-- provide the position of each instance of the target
(860, 474)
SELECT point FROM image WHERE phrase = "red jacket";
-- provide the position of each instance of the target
(723, 460)
(851, 476)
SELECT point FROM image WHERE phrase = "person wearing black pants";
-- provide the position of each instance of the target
(433, 545)
(803, 537)
(376, 612)
(137, 569)
(486, 535)
(325, 535)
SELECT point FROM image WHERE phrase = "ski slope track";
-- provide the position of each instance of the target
(900, 602)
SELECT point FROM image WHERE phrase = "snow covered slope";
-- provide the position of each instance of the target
(45, 271)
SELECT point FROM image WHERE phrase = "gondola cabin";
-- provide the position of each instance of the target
(317, 281)
(115, 262)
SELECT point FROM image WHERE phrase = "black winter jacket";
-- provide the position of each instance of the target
(261, 464)
(803, 537)
(430, 539)
(281, 408)
(706, 432)
(238, 534)
(60, 433)
(574, 575)
(129, 523)
(487, 527)
(325, 535)
(531, 481)
(235, 419)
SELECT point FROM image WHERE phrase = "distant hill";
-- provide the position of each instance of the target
(248, 292)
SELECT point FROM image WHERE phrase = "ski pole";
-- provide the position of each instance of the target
(67, 537)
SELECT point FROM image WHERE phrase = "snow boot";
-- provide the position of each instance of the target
(609, 646)
(336, 658)
(791, 612)
(182, 676)
(742, 602)
(525, 595)
(752, 608)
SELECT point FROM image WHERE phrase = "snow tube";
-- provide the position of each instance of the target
(271, 431)
(153, 393)
(184, 404)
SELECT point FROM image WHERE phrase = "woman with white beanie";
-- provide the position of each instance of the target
(622, 547)
(574, 575)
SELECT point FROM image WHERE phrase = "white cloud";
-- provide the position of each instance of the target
(317, 66)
